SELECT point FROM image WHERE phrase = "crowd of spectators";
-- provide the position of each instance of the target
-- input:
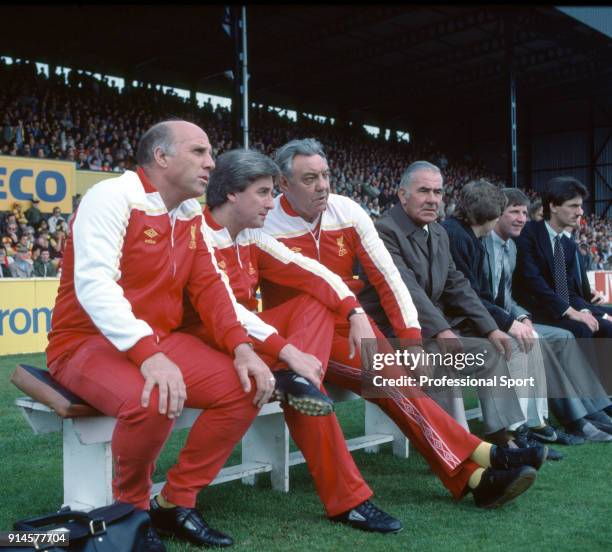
(89, 122)
(595, 242)
(32, 244)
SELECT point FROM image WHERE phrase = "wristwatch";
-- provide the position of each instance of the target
(356, 310)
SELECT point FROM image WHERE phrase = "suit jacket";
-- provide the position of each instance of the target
(489, 271)
(468, 254)
(442, 295)
(583, 279)
(534, 281)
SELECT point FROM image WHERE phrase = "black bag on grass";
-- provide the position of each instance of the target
(119, 527)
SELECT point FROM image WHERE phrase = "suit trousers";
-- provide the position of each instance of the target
(574, 390)
(532, 398)
(501, 407)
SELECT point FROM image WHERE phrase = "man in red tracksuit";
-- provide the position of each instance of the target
(239, 197)
(335, 231)
(138, 241)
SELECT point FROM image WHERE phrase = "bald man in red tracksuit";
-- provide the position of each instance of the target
(120, 301)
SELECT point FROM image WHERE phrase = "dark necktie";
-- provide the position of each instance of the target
(500, 298)
(425, 241)
(560, 271)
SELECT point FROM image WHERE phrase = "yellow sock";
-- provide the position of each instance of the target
(475, 478)
(163, 502)
(482, 454)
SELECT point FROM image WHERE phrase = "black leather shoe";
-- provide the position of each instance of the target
(590, 433)
(500, 486)
(507, 458)
(301, 394)
(152, 541)
(523, 439)
(186, 523)
(368, 517)
(545, 435)
(564, 438)
(601, 421)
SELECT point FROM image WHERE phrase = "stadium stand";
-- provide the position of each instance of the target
(96, 126)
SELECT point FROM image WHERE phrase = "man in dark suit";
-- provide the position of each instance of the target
(479, 207)
(546, 276)
(446, 304)
(575, 393)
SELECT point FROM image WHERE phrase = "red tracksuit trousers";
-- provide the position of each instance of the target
(445, 445)
(309, 325)
(106, 379)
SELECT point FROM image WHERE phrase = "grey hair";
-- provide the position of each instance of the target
(235, 171)
(408, 174)
(285, 154)
(160, 136)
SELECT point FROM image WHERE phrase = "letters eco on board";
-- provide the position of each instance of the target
(22, 178)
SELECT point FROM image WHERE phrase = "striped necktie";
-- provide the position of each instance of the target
(560, 271)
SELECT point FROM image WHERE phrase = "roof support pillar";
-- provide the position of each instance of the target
(512, 142)
(240, 96)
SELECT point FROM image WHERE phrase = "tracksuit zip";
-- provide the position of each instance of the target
(237, 248)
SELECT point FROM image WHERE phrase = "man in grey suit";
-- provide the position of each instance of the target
(575, 393)
(446, 304)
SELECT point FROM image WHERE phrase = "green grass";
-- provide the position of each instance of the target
(568, 508)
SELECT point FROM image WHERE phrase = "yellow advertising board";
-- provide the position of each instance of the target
(22, 178)
(25, 314)
(86, 179)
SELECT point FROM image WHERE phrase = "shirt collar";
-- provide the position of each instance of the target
(284, 202)
(497, 239)
(551, 231)
(210, 220)
(146, 183)
(286, 207)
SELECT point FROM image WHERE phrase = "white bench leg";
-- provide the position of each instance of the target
(88, 471)
(376, 421)
(267, 441)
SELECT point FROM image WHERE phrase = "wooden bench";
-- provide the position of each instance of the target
(87, 460)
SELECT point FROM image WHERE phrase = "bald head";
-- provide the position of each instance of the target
(165, 136)
(176, 157)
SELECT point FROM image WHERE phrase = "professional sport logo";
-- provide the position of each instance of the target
(341, 249)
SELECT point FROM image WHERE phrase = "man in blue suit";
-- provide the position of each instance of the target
(545, 279)
(575, 393)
